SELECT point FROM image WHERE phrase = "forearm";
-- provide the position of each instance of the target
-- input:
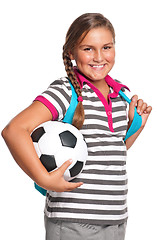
(21, 147)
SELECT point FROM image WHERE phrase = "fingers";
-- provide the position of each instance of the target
(65, 165)
(143, 108)
(148, 110)
(72, 186)
(69, 185)
(61, 184)
(132, 105)
(65, 186)
(134, 100)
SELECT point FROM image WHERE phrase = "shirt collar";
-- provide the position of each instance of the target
(116, 86)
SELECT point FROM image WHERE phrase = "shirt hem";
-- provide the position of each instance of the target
(88, 221)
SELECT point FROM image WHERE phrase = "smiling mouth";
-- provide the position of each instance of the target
(97, 66)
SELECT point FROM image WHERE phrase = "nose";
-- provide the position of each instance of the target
(98, 56)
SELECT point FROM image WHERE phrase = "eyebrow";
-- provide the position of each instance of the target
(91, 46)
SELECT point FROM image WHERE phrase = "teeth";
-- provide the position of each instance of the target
(98, 66)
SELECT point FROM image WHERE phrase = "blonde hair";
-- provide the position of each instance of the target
(76, 33)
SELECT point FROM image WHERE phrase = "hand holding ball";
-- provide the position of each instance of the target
(56, 142)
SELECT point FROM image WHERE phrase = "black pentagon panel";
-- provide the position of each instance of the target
(37, 134)
(76, 169)
(68, 139)
(48, 161)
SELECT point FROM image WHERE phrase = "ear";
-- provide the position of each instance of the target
(71, 56)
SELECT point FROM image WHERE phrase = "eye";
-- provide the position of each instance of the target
(107, 47)
(88, 49)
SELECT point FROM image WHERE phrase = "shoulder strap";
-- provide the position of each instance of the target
(137, 121)
(73, 104)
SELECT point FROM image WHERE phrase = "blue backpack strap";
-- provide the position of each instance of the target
(67, 119)
(137, 120)
(73, 104)
(40, 189)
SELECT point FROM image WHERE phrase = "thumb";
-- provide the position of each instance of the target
(65, 165)
(132, 106)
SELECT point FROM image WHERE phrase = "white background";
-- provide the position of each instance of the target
(32, 34)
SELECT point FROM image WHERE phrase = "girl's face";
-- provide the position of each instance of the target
(95, 55)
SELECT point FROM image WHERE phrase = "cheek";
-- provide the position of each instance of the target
(83, 58)
(111, 56)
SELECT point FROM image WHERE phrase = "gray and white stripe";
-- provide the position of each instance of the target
(102, 197)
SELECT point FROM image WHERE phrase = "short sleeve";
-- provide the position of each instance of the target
(57, 98)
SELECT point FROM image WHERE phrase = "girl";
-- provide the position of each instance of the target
(93, 205)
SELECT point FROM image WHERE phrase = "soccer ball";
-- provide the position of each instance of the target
(56, 142)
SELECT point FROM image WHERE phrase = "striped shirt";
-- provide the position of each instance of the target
(102, 199)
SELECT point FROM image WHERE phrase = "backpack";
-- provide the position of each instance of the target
(136, 123)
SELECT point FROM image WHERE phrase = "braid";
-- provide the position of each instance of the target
(78, 117)
(71, 75)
